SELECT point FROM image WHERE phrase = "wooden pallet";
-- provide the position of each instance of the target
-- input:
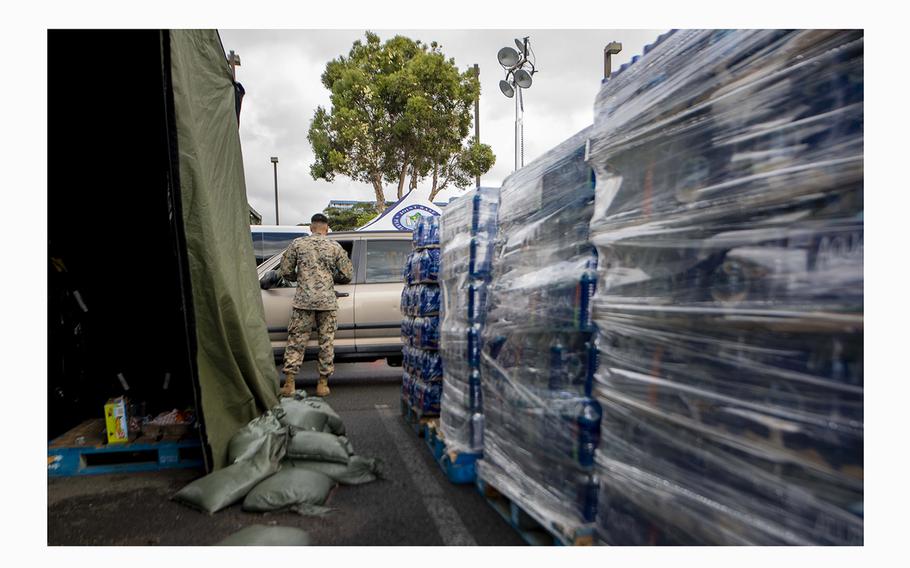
(460, 468)
(533, 529)
(84, 451)
(416, 419)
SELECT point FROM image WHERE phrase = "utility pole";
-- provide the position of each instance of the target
(477, 114)
(234, 62)
(275, 164)
(611, 48)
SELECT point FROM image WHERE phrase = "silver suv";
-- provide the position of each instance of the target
(369, 317)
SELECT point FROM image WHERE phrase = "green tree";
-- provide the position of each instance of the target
(349, 219)
(400, 113)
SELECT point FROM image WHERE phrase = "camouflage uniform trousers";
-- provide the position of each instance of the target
(302, 323)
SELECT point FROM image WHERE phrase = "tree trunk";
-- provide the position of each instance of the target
(403, 176)
(380, 196)
(413, 179)
(434, 190)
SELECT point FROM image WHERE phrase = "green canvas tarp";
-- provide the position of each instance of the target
(236, 371)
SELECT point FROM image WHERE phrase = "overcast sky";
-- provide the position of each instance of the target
(280, 70)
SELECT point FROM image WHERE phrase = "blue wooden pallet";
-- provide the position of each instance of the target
(531, 528)
(460, 468)
(83, 451)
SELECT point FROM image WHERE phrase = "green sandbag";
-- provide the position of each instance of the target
(312, 414)
(293, 487)
(358, 470)
(226, 486)
(247, 440)
(260, 535)
(319, 446)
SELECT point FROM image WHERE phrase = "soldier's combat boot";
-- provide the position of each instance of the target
(289, 386)
(322, 387)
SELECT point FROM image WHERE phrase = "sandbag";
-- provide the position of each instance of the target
(247, 440)
(313, 414)
(260, 535)
(319, 446)
(226, 486)
(357, 471)
(296, 488)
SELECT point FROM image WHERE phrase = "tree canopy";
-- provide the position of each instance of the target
(349, 219)
(400, 113)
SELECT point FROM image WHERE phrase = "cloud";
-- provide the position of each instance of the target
(281, 72)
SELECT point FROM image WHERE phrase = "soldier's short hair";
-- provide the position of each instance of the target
(319, 218)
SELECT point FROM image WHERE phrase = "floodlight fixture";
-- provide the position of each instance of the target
(508, 57)
(522, 78)
(522, 47)
(506, 89)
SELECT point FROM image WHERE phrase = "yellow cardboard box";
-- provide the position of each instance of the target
(116, 420)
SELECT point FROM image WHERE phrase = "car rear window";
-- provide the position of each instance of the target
(385, 260)
(268, 244)
(348, 247)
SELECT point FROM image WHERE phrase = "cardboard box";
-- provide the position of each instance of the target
(115, 419)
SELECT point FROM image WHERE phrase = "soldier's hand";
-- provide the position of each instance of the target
(269, 280)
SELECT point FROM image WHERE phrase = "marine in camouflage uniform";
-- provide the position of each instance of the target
(316, 264)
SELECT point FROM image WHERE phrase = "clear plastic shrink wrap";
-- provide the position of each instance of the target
(421, 385)
(729, 226)
(467, 230)
(538, 356)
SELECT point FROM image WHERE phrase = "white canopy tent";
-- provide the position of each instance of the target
(404, 215)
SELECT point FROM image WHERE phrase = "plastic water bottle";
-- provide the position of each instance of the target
(431, 366)
(479, 260)
(472, 259)
(587, 498)
(431, 232)
(429, 333)
(434, 256)
(404, 301)
(475, 392)
(476, 302)
(557, 355)
(428, 266)
(428, 300)
(588, 424)
(475, 407)
(476, 204)
(417, 238)
(474, 347)
(584, 294)
(471, 303)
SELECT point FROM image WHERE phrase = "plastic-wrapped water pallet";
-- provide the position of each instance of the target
(468, 228)
(421, 389)
(729, 227)
(541, 424)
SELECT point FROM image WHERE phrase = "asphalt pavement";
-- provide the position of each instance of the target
(414, 504)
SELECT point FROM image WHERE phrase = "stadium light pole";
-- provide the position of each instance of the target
(517, 79)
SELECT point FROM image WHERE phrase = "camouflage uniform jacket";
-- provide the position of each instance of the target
(316, 263)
